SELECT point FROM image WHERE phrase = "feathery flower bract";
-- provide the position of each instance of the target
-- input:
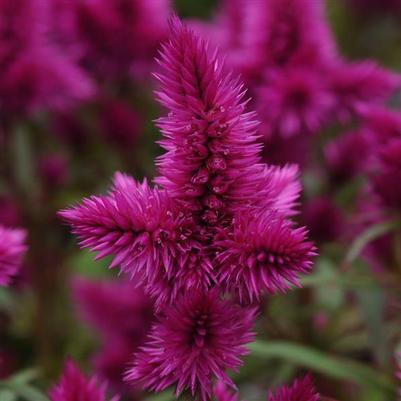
(193, 344)
(263, 253)
(12, 250)
(147, 234)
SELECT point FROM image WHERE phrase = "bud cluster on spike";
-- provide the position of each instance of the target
(12, 250)
(212, 237)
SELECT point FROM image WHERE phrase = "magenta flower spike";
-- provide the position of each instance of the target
(301, 390)
(193, 344)
(169, 239)
(73, 385)
(165, 238)
(12, 250)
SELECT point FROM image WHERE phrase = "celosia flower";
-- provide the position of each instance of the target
(118, 36)
(301, 390)
(53, 170)
(74, 386)
(324, 219)
(165, 238)
(111, 361)
(293, 101)
(211, 164)
(27, 84)
(348, 155)
(193, 344)
(222, 393)
(68, 128)
(386, 177)
(122, 324)
(262, 34)
(384, 124)
(382, 131)
(12, 250)
(263, 253)
(148, 236)
(119, 124)
(130, 314)
(10, 216)
(358, 86)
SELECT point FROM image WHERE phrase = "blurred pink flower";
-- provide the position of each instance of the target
(324, 219)
(301, 390)
(34, 73)
(359, 86)
(294, 101)
(262, 34)
(73, 385)
(119, 123)
(12, 250)
(121, 324)
(119, 36)
(53, 170)
(348, 155)
(129, 315)
(10, 215)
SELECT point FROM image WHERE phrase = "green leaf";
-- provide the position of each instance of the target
(167, 395)
(7, 395)
(372, 305)
(26, 392)
(330, 365)
(369, 235)
(24, 376)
